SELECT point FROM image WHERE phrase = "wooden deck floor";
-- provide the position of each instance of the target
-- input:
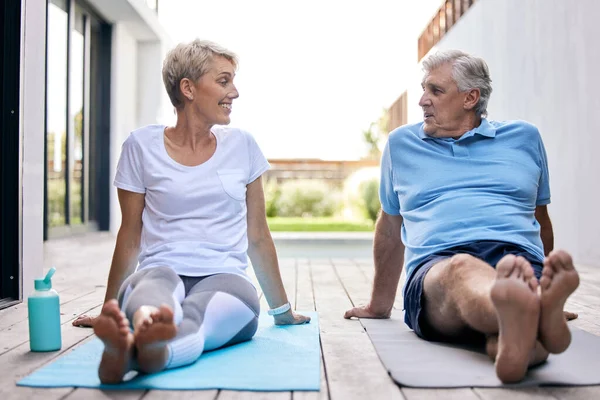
(350, 366)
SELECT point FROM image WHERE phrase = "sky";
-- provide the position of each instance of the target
(313, 74)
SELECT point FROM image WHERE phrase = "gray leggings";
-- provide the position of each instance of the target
(210, 311)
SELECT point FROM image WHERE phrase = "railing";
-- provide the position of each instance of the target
(446, 16)
(333, 172)
(397, 114)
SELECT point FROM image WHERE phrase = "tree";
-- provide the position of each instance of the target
(376, 135)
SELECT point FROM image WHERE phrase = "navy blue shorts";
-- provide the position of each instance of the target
(489, 251)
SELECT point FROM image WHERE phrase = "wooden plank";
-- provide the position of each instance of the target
(239, 395)
(20, 361)
(305, 301)
(532, 393)
(368, 269)
(358, 289)
(287, 270)
(353, 369)
(18, 333)
(95, 394)
(18, 313)
(441, 394)
(576, 393)
(17, 393)
(181, 395)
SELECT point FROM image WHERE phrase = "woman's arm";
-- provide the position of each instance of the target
(263, 255)
(127, 248)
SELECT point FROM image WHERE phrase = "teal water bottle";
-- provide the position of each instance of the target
(43, 306)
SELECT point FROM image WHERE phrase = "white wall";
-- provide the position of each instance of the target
(544, 62)
(123, 104)
(154, 105)
(33, 71)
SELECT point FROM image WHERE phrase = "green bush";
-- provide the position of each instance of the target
(369, 195)
(303, 198)
(272, 195)
(318, 224)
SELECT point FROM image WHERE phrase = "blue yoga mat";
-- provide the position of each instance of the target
(278, 358)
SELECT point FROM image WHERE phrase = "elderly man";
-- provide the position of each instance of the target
(464, 207)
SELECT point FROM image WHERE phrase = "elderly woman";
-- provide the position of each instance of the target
(192, 208)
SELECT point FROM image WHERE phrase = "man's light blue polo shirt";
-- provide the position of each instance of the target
(483, 186)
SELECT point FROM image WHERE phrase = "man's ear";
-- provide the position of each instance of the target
(472, 99)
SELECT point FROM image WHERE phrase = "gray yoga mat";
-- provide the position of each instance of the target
(414, 362)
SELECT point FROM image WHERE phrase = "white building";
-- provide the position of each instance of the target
(544, 60)
(77, 77)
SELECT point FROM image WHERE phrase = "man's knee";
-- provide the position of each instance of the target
(446, 273)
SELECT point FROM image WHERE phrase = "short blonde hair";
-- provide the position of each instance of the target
(190, 60)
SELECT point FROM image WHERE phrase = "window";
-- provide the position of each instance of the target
(78, 80)
(10, 56)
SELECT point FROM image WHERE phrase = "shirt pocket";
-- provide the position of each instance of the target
(233, 182)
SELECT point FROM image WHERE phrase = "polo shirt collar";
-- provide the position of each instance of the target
(484, 129)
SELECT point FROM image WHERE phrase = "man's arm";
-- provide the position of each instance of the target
(388, 255)
(546, 232)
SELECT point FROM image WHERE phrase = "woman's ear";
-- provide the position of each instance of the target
(186, 88)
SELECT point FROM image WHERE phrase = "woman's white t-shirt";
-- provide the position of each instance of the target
(194, 219)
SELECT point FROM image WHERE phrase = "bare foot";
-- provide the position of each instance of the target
(153, 327)
(537, 356)
(112, 327)
(559, 279)
(518, 307)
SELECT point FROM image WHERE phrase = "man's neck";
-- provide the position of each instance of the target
(469, 123)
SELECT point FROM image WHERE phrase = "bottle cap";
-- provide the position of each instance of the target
(46, 283)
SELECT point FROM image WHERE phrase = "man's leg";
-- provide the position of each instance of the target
(464, 293)
(559, 279)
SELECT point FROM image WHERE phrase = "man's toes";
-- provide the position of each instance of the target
(565, 260)
(526, 268)
(506, 266)
(533, 283)
(545, 281)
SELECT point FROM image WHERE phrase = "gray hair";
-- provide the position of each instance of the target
(191, 61)
(469, 72)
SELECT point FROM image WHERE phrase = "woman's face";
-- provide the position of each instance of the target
(214, 92)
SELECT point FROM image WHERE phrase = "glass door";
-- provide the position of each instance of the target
(10, 165)
(72, 66)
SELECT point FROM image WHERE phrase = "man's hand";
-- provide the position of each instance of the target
(290, 318)
(85, 321)
(366, 312)
(570, 315)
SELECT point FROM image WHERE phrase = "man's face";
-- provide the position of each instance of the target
(443, 105)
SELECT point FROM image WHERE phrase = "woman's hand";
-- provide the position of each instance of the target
(85, 321)
(290, 318)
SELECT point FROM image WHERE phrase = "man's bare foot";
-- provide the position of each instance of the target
(112, 327)
(153, 327)
(537, 356)
(518, 307)
(559, 279)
